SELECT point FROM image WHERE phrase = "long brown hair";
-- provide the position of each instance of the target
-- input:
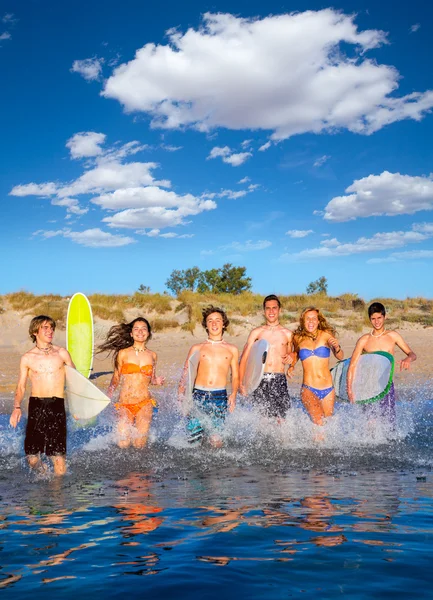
(119, 337)
(301, 333)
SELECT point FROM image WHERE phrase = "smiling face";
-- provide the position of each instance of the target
(140, 332)
(378, 321)
(311, 321)
(45, 334)
(272, 312)
(214, 324)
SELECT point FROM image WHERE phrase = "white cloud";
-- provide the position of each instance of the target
(402, 256)
(423, 228)
(232, 195)
(127, 187)
(112, 176)
(222, 151)
(236, 160)
(246, 144)
(168, 235)
(34, 189)
(157, 217)
(247, 246)
(385, 194)
(413, 254)
(9, 18)
(229, 157)
(321, 161)
(414, 28)
(144, 197)
(330, 248)
(92, 238)
(89, 68)
(5, 36)
(86, 144)
(286, 73)
(299, 233)
(244, 180)
(171, 148)
(71, 204)
(265, 147)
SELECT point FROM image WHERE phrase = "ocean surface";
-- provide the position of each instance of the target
(272, 514)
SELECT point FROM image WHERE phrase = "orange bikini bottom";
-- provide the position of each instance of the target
(135, 408)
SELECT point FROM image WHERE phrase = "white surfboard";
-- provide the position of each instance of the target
(255, 366)
(372, 379)
(191, 375)
(85, 400)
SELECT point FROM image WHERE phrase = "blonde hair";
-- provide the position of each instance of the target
(35, 325)
(301, 333)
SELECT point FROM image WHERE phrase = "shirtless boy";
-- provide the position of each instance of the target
(46, 424)
(380, 339)
(272, 395)
(217, 358)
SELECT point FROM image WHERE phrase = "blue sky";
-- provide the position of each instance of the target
(290, 138)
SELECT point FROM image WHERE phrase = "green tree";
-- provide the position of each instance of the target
(320, 286)
(183, 280)
(143, 289)
(225, 280)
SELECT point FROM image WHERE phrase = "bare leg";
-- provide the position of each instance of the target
(328, 404)
(34, 460)
(124, 430)
(142, 423)
(313, 406)
(59, 464)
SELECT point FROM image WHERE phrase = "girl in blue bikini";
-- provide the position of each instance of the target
(313, 340)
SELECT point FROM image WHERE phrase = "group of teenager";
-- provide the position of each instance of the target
(218, 367)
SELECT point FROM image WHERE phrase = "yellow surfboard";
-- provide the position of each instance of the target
(79, 333)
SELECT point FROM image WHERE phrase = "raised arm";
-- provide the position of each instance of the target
(235, 379)
(360, 344)
(244, 357)
(15, 417)
(410, 355)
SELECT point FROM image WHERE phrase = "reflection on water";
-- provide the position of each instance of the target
(270, 515)
(181, 528)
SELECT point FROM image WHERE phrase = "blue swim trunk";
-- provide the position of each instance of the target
(212, 404)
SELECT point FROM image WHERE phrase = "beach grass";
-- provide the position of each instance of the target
(346, 310)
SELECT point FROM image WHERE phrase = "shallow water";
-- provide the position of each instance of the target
(273, 514)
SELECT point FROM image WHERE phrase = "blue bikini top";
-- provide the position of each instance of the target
(321, 352)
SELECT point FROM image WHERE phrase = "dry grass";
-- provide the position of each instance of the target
(108, 313)
(113, 306)
(422, 319)
(159, 303)
(51, 305)
(159, 324)
(354, 323)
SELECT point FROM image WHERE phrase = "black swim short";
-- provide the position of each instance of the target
(46, 426)
(272, 396)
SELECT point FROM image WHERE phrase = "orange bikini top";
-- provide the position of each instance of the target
(129, 368)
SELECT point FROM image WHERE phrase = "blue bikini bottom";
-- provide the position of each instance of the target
(321, 394)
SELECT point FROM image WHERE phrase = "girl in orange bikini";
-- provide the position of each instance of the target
(134, 370)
